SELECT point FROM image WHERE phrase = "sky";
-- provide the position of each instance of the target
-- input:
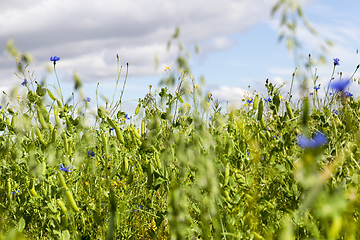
(238, 41)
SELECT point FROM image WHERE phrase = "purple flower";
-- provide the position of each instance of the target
(336, 61)
(340, 85)
(65, 169)
(24, 82)
(87, 99)
(318, 140)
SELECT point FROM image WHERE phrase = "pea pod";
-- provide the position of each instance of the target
(57, 119)
(256, 102)
(33, 192)
(135, 132)
(14, 120)
(306, 109)
(71, 201)
(53, 135)
(262, 123)
(143, 129)
(59, 104)
(66, 147)
(8, 186)
(62, 206)
(41, 119)
(130, 177)
(44, 193)
(117, 130)
(288, 109)
(38, 133)
(51, 95)
(126, 164)
(43, 168)
(260, 110)
(62, 180)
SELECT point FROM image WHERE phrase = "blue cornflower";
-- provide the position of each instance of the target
(13, 192)
(54, 59)
(141, 207)
(347, 94)
(267, 100)
(127, 117)
(336, 62)
(340, 85)
(249, 100)
(335, 112)
(24, 82)
(87, 99)
(317, 88)
(92, 154)
(318, 140)
(65, 169)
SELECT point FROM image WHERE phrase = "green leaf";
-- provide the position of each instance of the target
(65, 235)
(21, 224)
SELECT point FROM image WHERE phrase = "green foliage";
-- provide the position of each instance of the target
(180, 168)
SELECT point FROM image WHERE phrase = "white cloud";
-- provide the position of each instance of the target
(226, 93)
(87, 34)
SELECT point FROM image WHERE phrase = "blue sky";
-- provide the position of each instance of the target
(238, 41)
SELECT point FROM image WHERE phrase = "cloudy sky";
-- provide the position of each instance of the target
(238, 41)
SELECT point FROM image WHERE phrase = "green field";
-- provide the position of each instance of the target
(181, 166)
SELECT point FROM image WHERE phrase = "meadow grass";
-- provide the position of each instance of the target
(181, 168)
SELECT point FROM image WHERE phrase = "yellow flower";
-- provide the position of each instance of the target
(86, 183)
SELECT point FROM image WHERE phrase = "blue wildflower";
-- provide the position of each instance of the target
(92, 154)
(335, 112)
(347, 94)
(317, 88)
(249, 100)
(141, 207)
(13, 192)
(65, 169)
(267, 100)
(87, 99)
(311, 94)
(318, 140)
(127, 117)
(54, 59)
(336, 62)
(340, 85)
(24, 82)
